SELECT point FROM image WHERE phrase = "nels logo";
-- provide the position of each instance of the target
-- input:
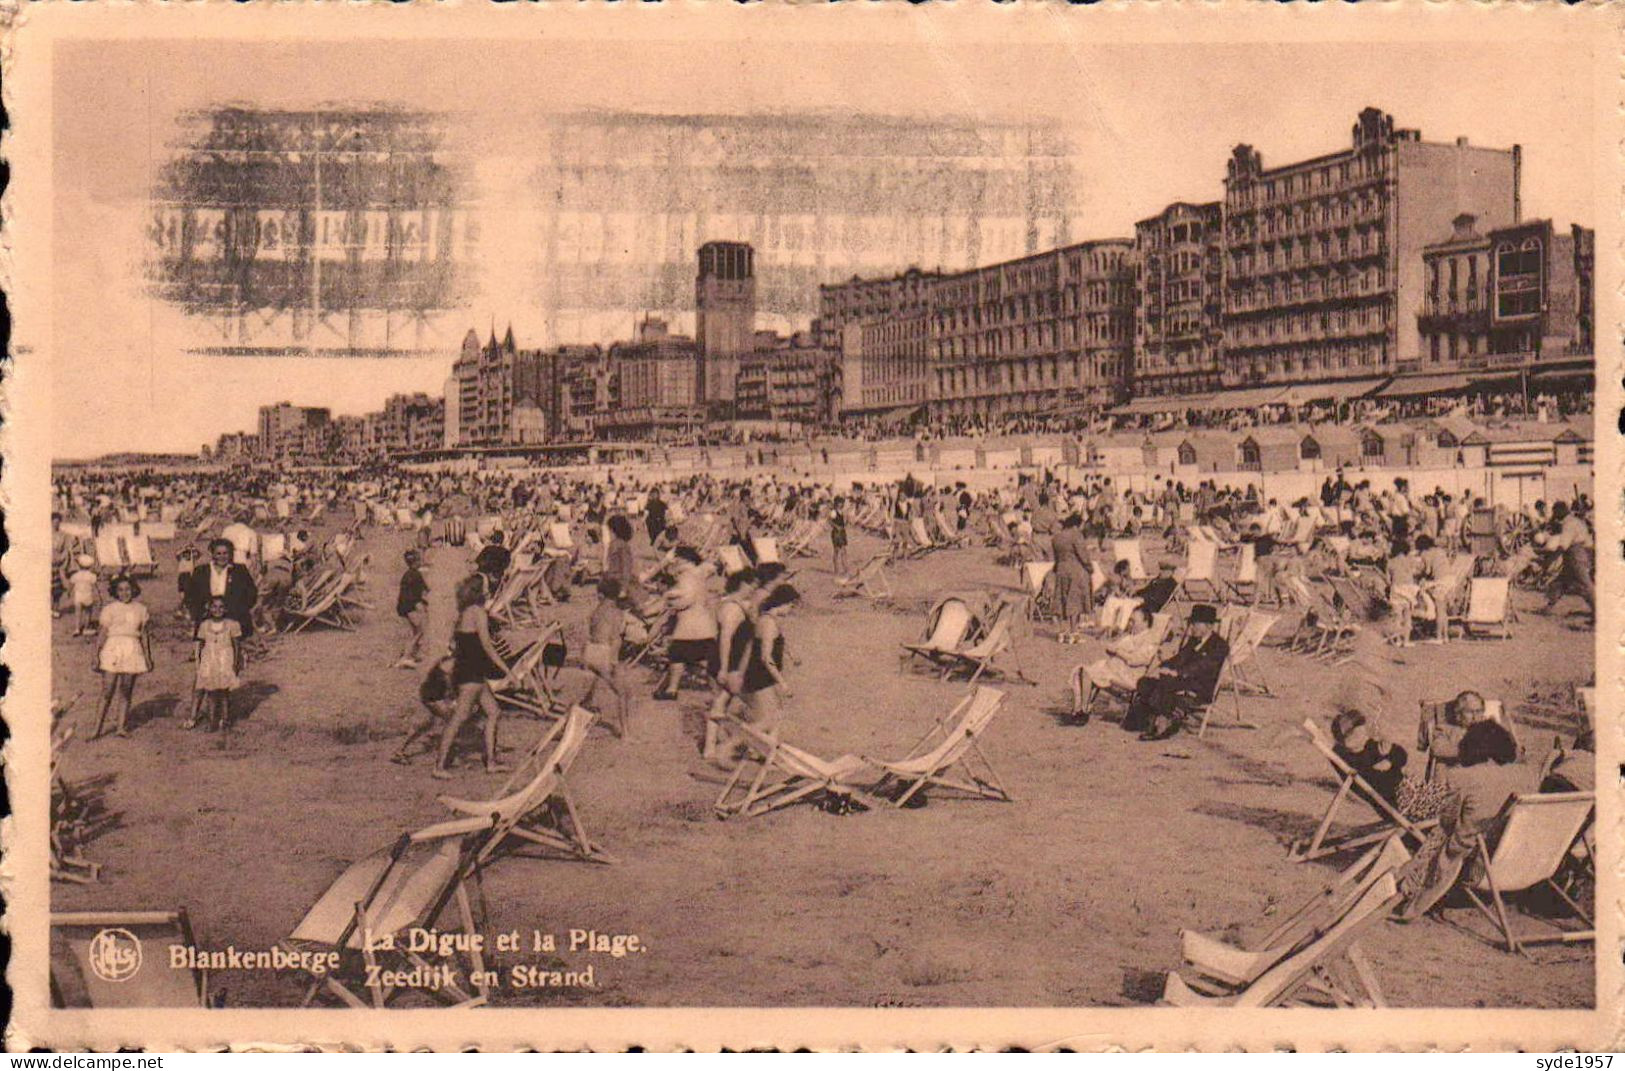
(115, 955)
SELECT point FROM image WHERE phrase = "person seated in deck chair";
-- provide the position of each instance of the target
(1186, 680)
(493, 561)
(1127, 657)
(1488, 775)
(1155, 595)
(1440, 735)
(1379, 763)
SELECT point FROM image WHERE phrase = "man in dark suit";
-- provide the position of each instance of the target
(1183, 683)
(1156, 593)
(220, 577)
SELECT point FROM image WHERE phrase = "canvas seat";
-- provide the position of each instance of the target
(949, 626)
(950, 756)
(983, 654)
(783, 775)
(91, 943)
(411, 884)
(1389, 820)
(1536, 834)
(328, 607)
(1488, 609)
(1201, 579)
(528, 687)
(1128, 550)
(536, 805)
(871, 580)
(1038, 584)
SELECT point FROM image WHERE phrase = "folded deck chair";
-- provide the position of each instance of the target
(871, 580)
(1201, 579)
(782, 775)
(120, 959)
(540, 810)
(923, 543)
(1329, 967)
(981, 655)
(949, 626)
(1489, 607)
(943, 756)
(1128, 550)
(1349, 781)
(1537, 832)
(367, 911)
(1217, 968)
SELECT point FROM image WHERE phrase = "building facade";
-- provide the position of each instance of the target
(283, 429)
(492, 380)
(1178, 301)
(724, 315)
(1323, 272)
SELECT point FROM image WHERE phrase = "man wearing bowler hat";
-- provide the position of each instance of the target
(1181, 684)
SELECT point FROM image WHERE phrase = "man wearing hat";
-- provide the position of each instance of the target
(1183, 682)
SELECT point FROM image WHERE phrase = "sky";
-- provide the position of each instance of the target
(1149, 123)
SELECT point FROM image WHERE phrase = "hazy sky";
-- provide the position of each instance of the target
(1149, 123)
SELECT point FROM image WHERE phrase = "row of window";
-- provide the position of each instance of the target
(1273, 256)
(1325, 357)
(1331, 176)
(1372, 280)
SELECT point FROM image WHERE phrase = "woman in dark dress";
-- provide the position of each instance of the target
(765, 689)
(475, 664)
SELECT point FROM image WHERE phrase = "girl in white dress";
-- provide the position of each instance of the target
(125, 654)
(219, 661)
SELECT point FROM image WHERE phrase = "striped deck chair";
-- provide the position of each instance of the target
(782, 775)
(536, 806)
(101, 964)
(944, 756)
(1536, 833)
(366, 913)
(1327, 970)
(1349, 782)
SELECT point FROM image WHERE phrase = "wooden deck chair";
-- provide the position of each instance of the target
(1326, 968)
(110, 552)
(923, 543)
(804, 545)
(1244, 674)
(1245, 582)
(1128, 550)
(324, 608)
(1389, 820)
(558, 543)
(767, 550)
(368, 911)
(1216, 967)
(1114, 614)
(138, 553)
(871, 580)
(1442, 591)
(120, 959)
(1488, 609)
(782, 775)
(949, 626)
(943, 756)
(528, 687)
(273, 547)
(982, 656)
(1038, 584)
(1537, 832)
(732, 558)
(540, 811)
(1201, 579)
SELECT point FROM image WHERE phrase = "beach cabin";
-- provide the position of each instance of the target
(1573, 443)
(1203, 452)
(1270, 449)
(1339, 446)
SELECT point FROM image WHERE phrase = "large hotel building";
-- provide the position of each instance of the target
(1311, 275)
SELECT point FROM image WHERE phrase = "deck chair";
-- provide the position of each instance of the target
(783, 775)
(1489, 607)
(1128, 550)
(327, 607)
(1389, 820)
(732, 558)
(1038, 584)
(982, 655)
(273, 547)
(1114, 613)
(558, 542)
(949, 626)
(138, 553)
(802, 544)
(871, 580)
(766, 548)
(540, 810)
(924, 544)
(1326, 969)
(1537, 832)
(1243, 674)
(365, 916)
(1245, 582)
(110, 552)
(1201, 572)
(528, 687)
(120, 959)
(943, 756)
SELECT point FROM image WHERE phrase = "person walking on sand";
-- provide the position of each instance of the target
(837, 536)
(412, 606)
(125, 654)
(476, 662)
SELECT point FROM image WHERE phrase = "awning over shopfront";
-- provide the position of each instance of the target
(1244, 398)
(1549, 377)
(1340, 391)
(1416, 386)
(1141, 406)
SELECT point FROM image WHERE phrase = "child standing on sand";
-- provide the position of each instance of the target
(126, 652)
(82, 583)
(219, 661)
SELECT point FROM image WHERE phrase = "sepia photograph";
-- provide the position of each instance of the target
(799, 512)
